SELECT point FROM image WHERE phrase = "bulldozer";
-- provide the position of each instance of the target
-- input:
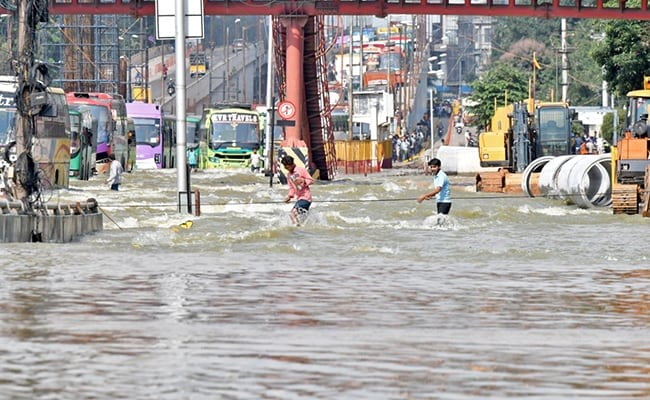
(518, 134)
(630, 156)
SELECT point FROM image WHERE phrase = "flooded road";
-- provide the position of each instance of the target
(373, 298)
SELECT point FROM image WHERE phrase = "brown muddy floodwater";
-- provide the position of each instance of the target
(373, 298)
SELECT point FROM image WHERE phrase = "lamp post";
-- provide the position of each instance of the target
(460, 75)
(243, 34)
(227, 63)
(237, 22)
(431, 118)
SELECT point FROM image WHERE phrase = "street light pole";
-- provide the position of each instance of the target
(243, 34)
(228, 62)
(431, 118)
(146, 71)
(460, 75)
(162, 81)
(351, 87)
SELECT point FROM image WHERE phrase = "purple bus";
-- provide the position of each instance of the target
(155, 136)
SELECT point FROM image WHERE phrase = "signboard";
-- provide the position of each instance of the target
(285, 123)
(138, 93)
(286, 109)
(166, 19)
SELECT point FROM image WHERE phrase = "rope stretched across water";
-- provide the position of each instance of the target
(391, 200)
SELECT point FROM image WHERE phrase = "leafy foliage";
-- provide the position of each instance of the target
(500, 81)
(607, 128)
(585, 74)
(624, 54)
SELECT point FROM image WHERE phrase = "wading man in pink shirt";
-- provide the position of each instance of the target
(299, 180)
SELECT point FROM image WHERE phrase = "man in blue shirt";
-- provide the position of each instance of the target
(441, 190)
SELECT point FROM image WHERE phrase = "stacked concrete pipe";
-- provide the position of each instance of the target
(583, 180)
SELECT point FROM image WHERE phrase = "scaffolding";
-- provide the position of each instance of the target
(89, 53)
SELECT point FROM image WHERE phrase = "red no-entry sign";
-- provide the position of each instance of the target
(286, 109)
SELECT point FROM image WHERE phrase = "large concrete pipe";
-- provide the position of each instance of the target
(587, 180)
(547, 182)
(533, 167)
(583, 180)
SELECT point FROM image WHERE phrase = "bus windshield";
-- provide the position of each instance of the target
(147, 131)
(235, 128)
(7, 124)
(238, 134)
(101, 120)
(390, 61)
(75, 131)
(191, 133)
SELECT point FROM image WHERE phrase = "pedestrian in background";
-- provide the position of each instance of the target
(441, 190)
(115, 173)
(192, 159)
(256, 161)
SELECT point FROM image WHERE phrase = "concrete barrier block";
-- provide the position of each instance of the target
(461, 160)
(18, 228)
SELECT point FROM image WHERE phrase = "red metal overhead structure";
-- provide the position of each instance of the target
(621, 9)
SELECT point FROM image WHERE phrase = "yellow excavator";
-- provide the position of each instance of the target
(521, 132)
(518, 134)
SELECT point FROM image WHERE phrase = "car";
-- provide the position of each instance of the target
(238, 45)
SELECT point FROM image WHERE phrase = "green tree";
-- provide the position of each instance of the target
(623, 54)
(500, 81)
(515, 40)
(607, 128)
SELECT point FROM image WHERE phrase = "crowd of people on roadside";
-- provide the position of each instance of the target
(589, 144)
(408, 145)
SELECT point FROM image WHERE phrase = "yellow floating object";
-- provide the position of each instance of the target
(184, 225)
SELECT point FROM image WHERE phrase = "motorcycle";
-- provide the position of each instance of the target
(171, 88)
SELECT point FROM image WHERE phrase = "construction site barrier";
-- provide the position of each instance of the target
(583, 180)
(363, 156)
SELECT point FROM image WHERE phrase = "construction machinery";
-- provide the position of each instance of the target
(518, 134)
(630, 156)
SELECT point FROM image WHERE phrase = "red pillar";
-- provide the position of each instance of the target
(294, 77)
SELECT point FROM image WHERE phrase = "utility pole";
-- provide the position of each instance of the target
(351, 88)
(565, 62)
(270, 100)
(25, 174)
